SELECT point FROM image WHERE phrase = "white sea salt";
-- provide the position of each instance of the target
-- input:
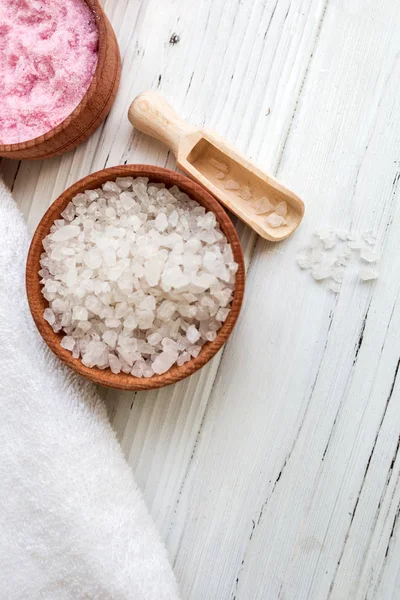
(368, 273)
(138, 277)
(369, 255)
(331, 252)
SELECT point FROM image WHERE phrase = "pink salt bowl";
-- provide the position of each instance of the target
(92, 109)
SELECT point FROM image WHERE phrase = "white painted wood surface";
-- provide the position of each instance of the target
(275, 472)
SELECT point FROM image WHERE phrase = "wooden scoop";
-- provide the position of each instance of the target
(259, 200)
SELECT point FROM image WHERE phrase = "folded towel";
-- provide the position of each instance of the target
(73, 524)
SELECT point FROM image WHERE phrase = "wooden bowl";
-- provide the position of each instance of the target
(38, 303)
(90, 112)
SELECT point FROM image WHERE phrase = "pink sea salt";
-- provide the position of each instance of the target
(48, 55)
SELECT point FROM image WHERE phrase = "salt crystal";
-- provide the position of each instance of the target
(111, 186)
(65, 233)
(334, 286)
(274, 220)
(192, 334)
(231, 184)
(356, 244)
(368, 274)
(124, 182)
(245, 192)
(69, 212)
(68, 343)
(219, 175)
(161, 222)
(152, 271)
(219, 165)
(263, 205)
(322, 271)
(281, 209)
(369, 237)
(79, 313)
(369, 255)
(303, 261)
(130, 323)
(194, 350)
(183, 358)
(154, 338)
(222, 314)
(115, 363)
(49, 316)
(127, 200)
(164, 361)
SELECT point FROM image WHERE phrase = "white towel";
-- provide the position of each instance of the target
(73, 524)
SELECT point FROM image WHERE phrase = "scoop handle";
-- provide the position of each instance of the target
(151, 114)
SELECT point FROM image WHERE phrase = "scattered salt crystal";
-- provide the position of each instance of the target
(356, 244)
(369, 255)
(218, 165)
(368, 273)
(231, 184)
(274, 220)
(219, 175)
(334, 286)
(281, 209)
(330, 252)
(303, 260)
(370, 238)
(321, 271)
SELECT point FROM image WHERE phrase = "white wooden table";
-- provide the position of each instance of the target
(273, 473)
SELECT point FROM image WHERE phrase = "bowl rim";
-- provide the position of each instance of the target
(99, 15)
(37, 302)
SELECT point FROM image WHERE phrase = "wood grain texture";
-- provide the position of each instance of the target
(273, 473)
(90, 112)
(37, 302)
(195, 150)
